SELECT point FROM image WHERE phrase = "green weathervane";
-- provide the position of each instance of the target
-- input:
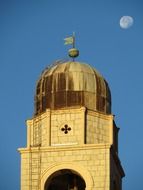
(73, 52)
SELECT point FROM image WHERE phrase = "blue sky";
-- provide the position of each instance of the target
(31, 37)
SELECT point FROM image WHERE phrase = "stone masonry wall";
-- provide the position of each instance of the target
(95, 159)
(86, 144)
(98, 128)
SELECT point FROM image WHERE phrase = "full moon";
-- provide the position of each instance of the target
(126, 22)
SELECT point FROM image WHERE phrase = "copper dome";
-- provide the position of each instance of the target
(72, 84)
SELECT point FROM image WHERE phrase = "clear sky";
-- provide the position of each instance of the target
(31, 37)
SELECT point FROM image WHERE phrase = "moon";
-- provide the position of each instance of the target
(126, 22)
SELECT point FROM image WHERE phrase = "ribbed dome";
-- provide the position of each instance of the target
(72, 84)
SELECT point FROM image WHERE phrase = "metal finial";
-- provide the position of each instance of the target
(73, 52)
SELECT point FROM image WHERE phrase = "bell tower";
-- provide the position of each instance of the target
(72, 139)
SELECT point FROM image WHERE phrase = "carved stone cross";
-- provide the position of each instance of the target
(66, 128)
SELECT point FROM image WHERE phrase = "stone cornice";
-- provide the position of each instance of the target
(99, 114)
(65, 148)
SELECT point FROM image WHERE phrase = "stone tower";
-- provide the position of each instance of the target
(72, 139)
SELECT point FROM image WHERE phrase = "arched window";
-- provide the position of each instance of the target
(64, 180)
